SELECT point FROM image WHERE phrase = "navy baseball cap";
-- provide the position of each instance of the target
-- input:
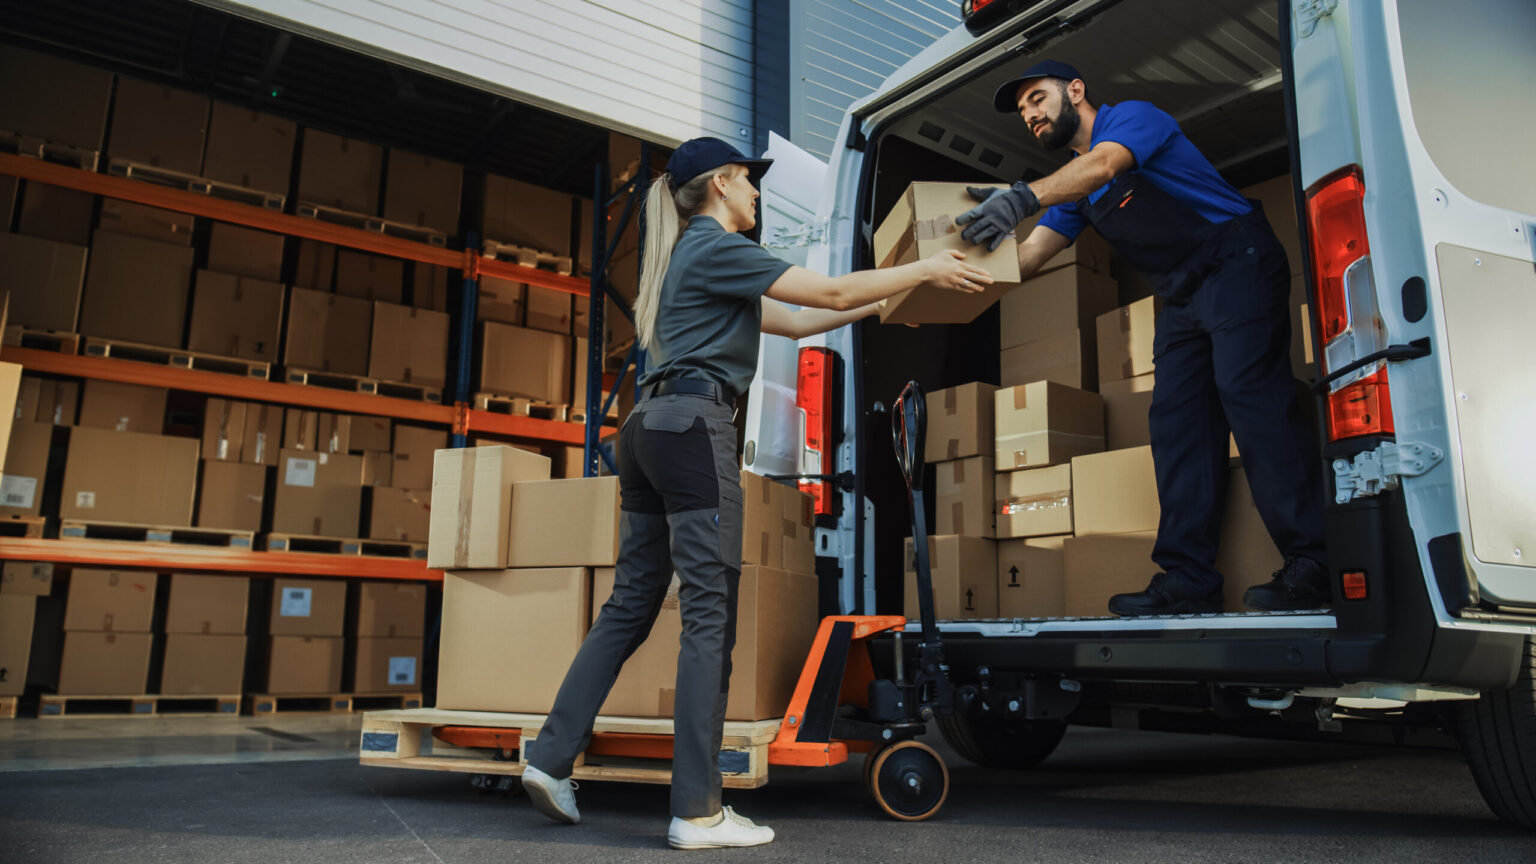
(698, 155)
(1006, 99)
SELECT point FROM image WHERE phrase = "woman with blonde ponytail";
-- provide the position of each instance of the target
(706, 294)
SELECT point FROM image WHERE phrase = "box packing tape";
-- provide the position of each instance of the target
(791, 528)
(466, 508)
(957, 472)
(951, 401)
(1042, 503)
(261, 435)
(224, 410)
(957, 516)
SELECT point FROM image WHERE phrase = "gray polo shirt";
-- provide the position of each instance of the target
(711, 311)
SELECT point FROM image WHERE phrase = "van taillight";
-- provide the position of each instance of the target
(814, 385)
(1349, 323)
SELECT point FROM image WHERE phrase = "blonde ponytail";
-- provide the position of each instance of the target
(664, 213)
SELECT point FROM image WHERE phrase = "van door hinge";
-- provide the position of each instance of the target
(1310, 12)
(1382, 469)
(799, 236)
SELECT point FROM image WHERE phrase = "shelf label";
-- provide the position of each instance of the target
(17, 491)
(296, 602)
(300, 472)
(402, 670)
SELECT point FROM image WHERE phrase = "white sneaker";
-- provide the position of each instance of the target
(733, 830)
(554, 798)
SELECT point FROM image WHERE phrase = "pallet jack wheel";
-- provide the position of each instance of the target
(869, 765)
(909, 780)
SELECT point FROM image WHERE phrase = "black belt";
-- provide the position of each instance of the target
(691, 387)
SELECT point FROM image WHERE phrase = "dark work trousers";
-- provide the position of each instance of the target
(680, 490)
(1223, 363)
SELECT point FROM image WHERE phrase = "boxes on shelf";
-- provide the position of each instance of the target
(414, 451)
(304, 665)
(1066, 358)
(1115, 492)
(1031, 578)
(1045, 423)
(308, 607)
(203, 665)
(45, 279)
(370, 434)
(400, 514)
(960, 423)
(56, 213)
(516, 361)
(1127, 403)
(33, 578)
(150, 223)
(52, 98)
(18, 613)
(48, 400)
(429, 287)
(236, 316)
(1069, 298)
(159, 126)
(207, 604)
(409, 345)
(964, 575)
(565, 523)
(920, 224)
(1247, 555)
(548, 310)
(1101, 565)
(319, 431)
(123, 407)
(231, 495)
(136, 290)
(472, 504)
(370, 277)
(243, 431)
(396, 610)
(526, 215)
(1125, 340)
(318, 494)
(249, 149)
(129, 477)
(245, 252)
(316, 268)
(421, 190)
(110, 600)
(377, 467)
(501, 300)
(26, 466)
(1034, 503)
(386, 665)
(964, 497)
(328, 332)
(341, 173)
(107, 639)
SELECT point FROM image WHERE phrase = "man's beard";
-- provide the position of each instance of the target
(1063, 126)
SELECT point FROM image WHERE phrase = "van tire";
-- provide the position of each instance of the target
(1002, 743)
(1498, 738)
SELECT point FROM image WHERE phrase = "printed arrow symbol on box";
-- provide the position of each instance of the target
(970, 600)
(1013, 576)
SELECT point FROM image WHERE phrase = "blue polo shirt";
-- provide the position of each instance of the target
(1164, 156)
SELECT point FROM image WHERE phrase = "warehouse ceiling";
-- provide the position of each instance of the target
(318, 84)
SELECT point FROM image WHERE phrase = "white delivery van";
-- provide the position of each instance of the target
(1406, 127)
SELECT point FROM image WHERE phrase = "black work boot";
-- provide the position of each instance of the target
(1301, 584)
(1161, 598)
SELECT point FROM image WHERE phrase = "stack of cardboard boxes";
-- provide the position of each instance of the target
(306, 645)
(205, 635)
(386, 651)
(21, 584)
(108, 633)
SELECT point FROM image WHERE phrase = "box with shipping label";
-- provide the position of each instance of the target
(249, 149)
(393, 609)
(400, 514)
(369, 277)
(1126, 339)
(409, 345)
(231, 495)
(26, 467)
(48, 400)
(328, 332)
(56, 213)
(245, 252)
(45, 279)
(105, 664)
(921, 224)
(964, 575)
(136, 290)
(203, 665)
(308, 607)
(208, 605)
(121, 601)
(567, 523)
(129, 477)
(304, 665)
(960, 422)
(338, 172)
(1127, 403)
(1100, 566)
(964, 499)
(1045, 423)
(516, 361)
(318, 494)
(236, 316)
(18, 614)
(386, 665)
(123, 407)
(1030, 578)
(52, 98)
(1115, 492)
(1071, 298)
(150, 223)
(158, 126)
(421, 190)
(414, 451)
(472, 504)
(539, 613)
(27, 577)
(526, 215)
(501, 300)
(1247, 555)
(1034, 503)
(1066, 358)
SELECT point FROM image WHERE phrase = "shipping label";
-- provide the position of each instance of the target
(18, 491)
(296, 602)
(300, 472)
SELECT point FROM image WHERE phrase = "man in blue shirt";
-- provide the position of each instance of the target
(1223, 335)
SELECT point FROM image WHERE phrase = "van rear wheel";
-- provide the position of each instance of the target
(1002, 742)
(1498, 738)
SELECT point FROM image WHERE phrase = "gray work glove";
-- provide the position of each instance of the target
(1000, 211)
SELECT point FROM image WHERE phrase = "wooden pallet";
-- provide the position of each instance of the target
(633, 750)
(23, 336)
(29, 527)
(50, 151)
(363, 384)
(331, 703)
(527, 257)
(152, 705)
(193, 183)
(499, 404)
(80, 529)
(362, 222)
(161, 356)
(8, 705)
(308, 543)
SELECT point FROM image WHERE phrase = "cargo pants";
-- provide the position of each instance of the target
(681, 510)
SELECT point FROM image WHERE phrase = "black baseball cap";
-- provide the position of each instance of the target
(697, 155)
(1006, 99)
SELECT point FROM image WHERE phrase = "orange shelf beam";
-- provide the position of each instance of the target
(217, 384)
(516, 426)
(164, 556)
(515, 272)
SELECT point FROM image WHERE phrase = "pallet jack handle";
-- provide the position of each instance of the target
(909, 424)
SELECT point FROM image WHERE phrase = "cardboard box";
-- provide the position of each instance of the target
(472, 504)
(960, 422)
(123, 407)
(129, 477)
(1031, 578)
(159, 126)
(121, 601)
(394, 609)
(567, 461)
(429, 287)
(964, 499)
(56, 213)
(242, 431)
(1070, 298)
(964, 573)
(566, 523)
(328, 332)
(197, 665)
(420, 190)
(207, 605)
(548, 310)
(338, 172)
(647, 684)
(10, 393)
(526, 215)
(150, 223)
(236, 316)
(515, 361)
(1125, 340)
(316, 268)
(1089, 251)
(1247, 555)
(231, 495)
(799, 530)
(385, 665)
(26, 467)
(318, 494)
(409, 345)
(317, 431)
(510, 613)
(17, 616)
(1115, 492)
(1102, 565)
(54, 401)
(1045, 423)
(377, 468)
(136, 290)
(304, 665)
(52, 98)
(1034, 503)
(370, 434)
(370, 277)
(501, 301)
(249, 149)
(400, 514)
(105, 664)
(920, 224)
(1127, 403)
(414, 451)
(34, 578)
(244, 252)
(762, 521)
(45, 281)
(308, 607)
(1066, 358)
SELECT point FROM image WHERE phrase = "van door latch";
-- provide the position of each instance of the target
(1382, 469)
(1310, 12)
